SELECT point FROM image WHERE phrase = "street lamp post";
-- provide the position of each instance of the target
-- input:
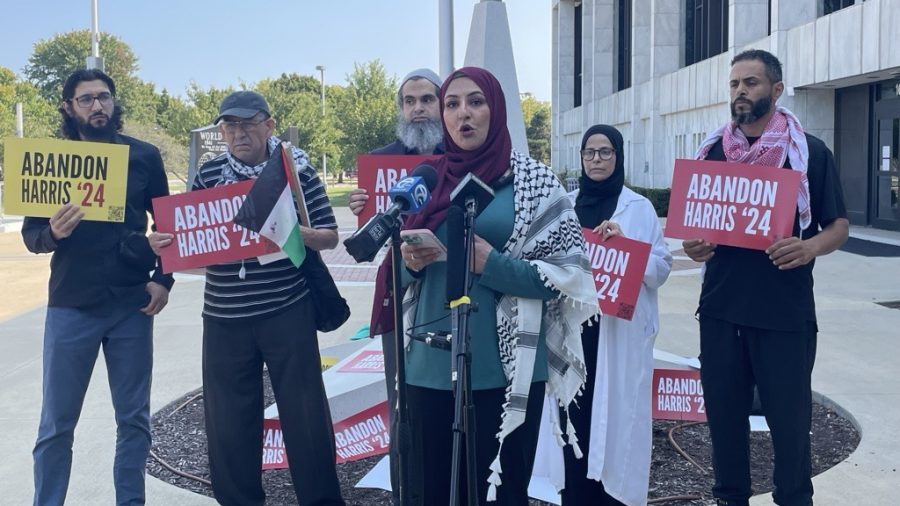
(94, 61)
(321, 69)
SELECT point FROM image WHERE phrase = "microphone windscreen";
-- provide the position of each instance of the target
(472, 188)
(428, 173)
(456, 253)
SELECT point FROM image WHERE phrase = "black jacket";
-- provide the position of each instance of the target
(103, 261)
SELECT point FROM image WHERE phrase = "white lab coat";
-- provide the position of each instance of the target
(621, 426)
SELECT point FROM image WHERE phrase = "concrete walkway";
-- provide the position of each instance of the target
(856, 369)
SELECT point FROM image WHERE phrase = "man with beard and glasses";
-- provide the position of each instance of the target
(102, 294)
(418, 124)
(419, 132)
(757, 311)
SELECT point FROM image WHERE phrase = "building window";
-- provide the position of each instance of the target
(706, 29)
(578, 62)
(623, 44)
(829, 6)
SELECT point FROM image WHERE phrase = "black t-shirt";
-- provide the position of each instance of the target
(744, 287)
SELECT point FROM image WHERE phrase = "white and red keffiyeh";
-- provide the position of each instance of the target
(783, 139)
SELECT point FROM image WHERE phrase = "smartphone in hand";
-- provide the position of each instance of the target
(424, 238)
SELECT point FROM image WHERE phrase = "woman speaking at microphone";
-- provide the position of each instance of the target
(531, 283)
(614, 413)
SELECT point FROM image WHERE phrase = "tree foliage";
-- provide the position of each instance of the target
(537, 127)
(174, 153)
(40, 118)
(55, 58)
(366, 111)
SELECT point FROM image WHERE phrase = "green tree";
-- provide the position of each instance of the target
(205, 104)
(40, 116)
(295, 101)
(174, 116)
(366, 112)
(174, 153)
(57, 57)
(537, 127)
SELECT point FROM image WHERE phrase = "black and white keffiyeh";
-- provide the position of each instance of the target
(547, 234)
(236, 170)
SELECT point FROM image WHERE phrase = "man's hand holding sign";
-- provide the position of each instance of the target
(377, 175)
(741, 205)
(60, 179)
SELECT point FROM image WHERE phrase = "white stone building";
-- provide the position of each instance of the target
(658, 70)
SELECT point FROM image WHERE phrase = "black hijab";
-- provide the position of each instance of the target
(597, 200)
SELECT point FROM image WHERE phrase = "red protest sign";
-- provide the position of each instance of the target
(618, 266)
(367, 361)
(204, 232)
(274, 454)
(378, 174)
(736, 204)
(363, 435)
(678, 395)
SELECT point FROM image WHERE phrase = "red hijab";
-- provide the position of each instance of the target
(488, 162)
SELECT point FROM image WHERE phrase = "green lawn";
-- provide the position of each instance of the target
(338, 193)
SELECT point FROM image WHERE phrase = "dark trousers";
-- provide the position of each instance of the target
(735, 358)
(431, 426)
(233, 357)
(581, 490)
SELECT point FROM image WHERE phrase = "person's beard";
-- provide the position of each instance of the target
(107, 131)
(757, 110)
(422, 136)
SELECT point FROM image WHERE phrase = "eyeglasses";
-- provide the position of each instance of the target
(87, 100)
(231, 127)
(605, 153)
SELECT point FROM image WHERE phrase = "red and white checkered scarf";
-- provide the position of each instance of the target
(782, 139)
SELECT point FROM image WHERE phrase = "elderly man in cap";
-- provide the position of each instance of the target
(419, 132)
(255, 315)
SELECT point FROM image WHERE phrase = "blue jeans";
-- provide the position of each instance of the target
(72, 339)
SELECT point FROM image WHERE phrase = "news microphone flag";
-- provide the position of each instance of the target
(269, 208)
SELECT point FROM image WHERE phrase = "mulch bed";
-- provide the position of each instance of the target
(179, 440)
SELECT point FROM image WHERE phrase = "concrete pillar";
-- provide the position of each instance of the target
(603, 50)
(747, 22)
(563, 89)
(490, 47)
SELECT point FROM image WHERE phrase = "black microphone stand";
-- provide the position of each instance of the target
(464, 409)
(402, 412)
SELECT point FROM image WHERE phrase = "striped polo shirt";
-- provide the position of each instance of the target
(265, 289)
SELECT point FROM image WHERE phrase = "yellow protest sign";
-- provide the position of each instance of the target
(43, 174)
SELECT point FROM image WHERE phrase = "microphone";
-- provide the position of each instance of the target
(456, 253)
(472, 190)
(408, 196)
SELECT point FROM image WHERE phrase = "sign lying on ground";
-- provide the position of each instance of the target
(202, 222)
(618, 266)
(360, 436)
(367, 361)
(678, 395)
(749, 206)
(44, 174)
(378, 174)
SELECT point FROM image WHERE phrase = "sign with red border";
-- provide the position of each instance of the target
(366, 361)
(735, 204)
(618, 266)
(378, 174)
(202, 222)
(678, 395)
(360, 436)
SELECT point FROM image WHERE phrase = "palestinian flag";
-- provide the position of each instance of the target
(269, 208)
